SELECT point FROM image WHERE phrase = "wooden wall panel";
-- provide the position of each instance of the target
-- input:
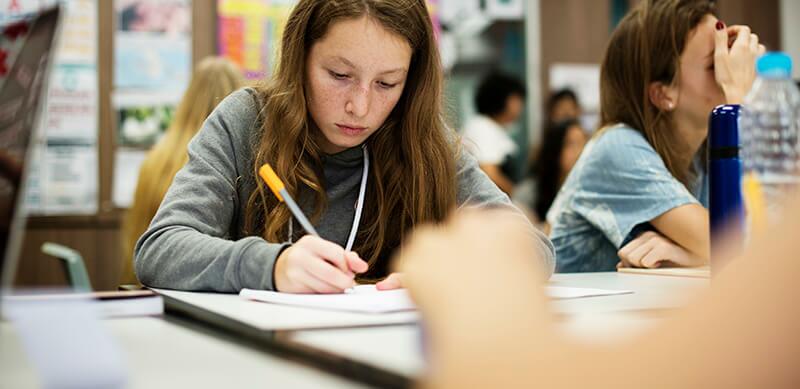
(763, 16)
(107, 124)
(204, 29)
(574, 31)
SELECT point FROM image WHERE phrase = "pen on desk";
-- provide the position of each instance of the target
(277, 187)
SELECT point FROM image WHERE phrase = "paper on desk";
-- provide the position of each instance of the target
(564, 292)
(370, 300)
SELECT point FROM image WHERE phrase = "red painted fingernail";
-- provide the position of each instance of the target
(720, 25)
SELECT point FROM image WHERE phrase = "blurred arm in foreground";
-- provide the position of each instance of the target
(741, 334)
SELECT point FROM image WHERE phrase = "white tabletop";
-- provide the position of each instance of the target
(163, 353)
(592, 319)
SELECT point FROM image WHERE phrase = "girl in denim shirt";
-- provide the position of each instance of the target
(637, 195)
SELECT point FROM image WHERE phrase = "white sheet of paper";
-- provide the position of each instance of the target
(367, 299)
(127, 163)
(564, 292)
(363, 300)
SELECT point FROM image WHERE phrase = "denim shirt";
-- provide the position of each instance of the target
(617, 186)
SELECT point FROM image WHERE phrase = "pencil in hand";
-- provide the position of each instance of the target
(276, 185)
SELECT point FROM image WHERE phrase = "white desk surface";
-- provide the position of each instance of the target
(592, 319)
(163, 353)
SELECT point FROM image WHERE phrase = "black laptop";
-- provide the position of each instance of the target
(26, 53)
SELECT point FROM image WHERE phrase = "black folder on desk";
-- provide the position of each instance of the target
(190, 312)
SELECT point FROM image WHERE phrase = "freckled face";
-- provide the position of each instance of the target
(355, 76)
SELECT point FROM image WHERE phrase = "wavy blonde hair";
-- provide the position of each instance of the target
(213, 79)
(413, 171)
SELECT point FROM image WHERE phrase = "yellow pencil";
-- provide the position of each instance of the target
(754, 202)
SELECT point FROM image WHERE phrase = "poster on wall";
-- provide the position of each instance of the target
(249, 32)
(63, 175)
(143, 125)
(142, 117)
(64, 180)
(72, 103)
(152, 44)
(152, 68)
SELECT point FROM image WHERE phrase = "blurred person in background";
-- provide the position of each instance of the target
(562, 144)
(214, 78)
(499, 102)
(562, 105)
(545, 172)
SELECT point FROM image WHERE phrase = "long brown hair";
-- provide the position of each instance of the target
(412, 176)
(644, 48)
(213, 79)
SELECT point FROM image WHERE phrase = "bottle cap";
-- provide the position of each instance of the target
(774, 64)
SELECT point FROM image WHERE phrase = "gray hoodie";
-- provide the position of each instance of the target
(195, 241)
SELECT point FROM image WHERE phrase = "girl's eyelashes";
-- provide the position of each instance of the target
(344, 76)
(386, 85)
(338, 76)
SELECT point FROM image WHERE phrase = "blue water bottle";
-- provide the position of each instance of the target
(725, 180)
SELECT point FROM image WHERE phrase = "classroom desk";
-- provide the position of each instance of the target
(170, 352)
(165, 353)
(593, 319)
